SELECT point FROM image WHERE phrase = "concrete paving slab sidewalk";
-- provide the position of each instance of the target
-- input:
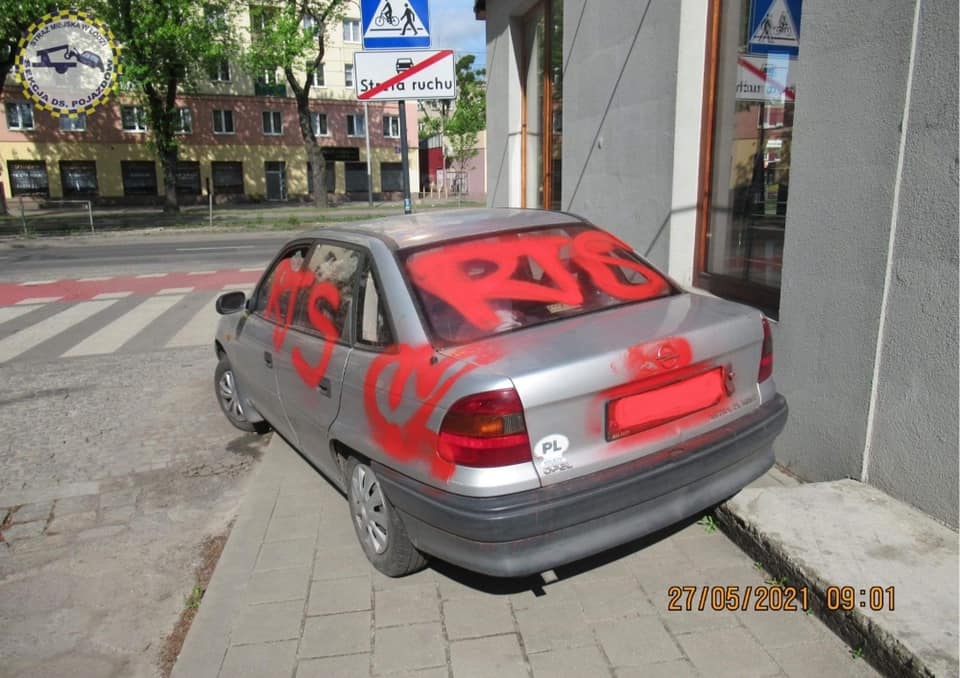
(293, 595)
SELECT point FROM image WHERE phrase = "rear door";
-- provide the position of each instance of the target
(311, 365)
(255, 352)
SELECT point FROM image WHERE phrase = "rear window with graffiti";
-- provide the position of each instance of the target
(471, 289)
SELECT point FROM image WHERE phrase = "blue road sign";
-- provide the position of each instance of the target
(774, 27)
(395, 24)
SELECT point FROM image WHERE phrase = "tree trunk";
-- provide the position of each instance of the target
(162, 108)
(314, 153)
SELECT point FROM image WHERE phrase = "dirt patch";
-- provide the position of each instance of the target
(210, 551)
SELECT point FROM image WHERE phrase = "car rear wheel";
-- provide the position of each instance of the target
(378, 527)
(228, 395)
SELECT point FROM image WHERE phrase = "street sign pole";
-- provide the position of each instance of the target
(404, 162)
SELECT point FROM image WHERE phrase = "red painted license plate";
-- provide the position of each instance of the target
(642, 411)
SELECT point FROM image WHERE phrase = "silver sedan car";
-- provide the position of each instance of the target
(507, 390)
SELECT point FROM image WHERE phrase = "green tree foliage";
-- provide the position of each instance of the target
(165, 44)
(469, 117)
(290, 35)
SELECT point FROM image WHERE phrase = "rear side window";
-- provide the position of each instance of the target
(373, 328)
(480, 287)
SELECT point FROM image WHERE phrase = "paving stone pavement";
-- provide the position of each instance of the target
(293, 595)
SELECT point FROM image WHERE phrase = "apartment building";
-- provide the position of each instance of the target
(239, 138)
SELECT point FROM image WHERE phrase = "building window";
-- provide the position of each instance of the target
(356, 125)
(78, 178)
(220, 71)
(77, 124)
(351, 30)
(391, 176)
(139, 177)
(355, 176)
(348, 75)
(272, 122)
(188, 178)
(309, 23)
(739, 249)
(318, 123)
(133, 119)
(542, 150)
(318, 78)
(331, 176)
(28, 177)
(227, 177)
(19, 116)
(183, 121)
(223, 122)
(391, 126)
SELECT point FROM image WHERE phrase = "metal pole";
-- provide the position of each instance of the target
(90, 214)
(366, 127)
(444, 107)
(23, 216)
(404, 162)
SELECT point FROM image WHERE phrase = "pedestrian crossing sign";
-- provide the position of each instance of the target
(774, 27)
(393, 24)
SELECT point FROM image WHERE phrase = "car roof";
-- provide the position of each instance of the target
(424, 228)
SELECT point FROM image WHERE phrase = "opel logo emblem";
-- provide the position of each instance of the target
(667, 356)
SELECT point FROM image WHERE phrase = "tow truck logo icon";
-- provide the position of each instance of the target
(87, 58)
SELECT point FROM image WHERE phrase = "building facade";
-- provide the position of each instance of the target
(799, 156)
(240, 138)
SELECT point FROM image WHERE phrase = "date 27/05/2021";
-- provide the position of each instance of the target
(776, 598)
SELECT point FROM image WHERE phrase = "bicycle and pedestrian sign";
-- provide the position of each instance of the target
(395, 24)
(774, 27)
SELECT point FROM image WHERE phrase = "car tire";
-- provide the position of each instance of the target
(228, 396)
(378, 527)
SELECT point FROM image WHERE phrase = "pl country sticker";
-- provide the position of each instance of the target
(68, 63)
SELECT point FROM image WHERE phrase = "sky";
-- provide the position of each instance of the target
(453, 26)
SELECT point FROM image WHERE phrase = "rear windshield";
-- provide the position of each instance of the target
(480, 287)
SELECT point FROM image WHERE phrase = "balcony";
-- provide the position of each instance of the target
(262, 89)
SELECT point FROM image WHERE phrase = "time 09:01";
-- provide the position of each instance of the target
(848, 598)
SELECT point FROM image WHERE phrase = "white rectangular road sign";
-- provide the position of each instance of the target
(406, 74)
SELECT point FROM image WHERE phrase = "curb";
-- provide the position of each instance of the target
(884, 651)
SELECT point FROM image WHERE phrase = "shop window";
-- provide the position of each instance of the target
(139, 177)
(188, 178)
(78, 178)
(227, 177)
(28, 177)
(750, 99)
(391, 176)
(542, 115)
(355, 174)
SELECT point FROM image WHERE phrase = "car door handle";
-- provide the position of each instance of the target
(324, 386)
(268, 358)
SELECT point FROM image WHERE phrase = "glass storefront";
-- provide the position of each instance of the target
(752, 135)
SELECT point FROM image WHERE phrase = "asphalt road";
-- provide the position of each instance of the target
(116, 461)
(118, 255)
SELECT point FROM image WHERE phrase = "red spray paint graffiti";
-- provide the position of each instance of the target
(443, 272)
(433, 377)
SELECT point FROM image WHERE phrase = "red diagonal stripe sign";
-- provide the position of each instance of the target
(416, 68)
(760, 73)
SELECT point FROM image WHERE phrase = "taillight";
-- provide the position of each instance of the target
(766, 354)
(484, 430)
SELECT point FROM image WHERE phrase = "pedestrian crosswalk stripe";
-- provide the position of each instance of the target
(29, 337)
(113, 295)
(176, 290)
(37, 300)
(99, 278)
(110, 338)
(11, 312)
(200, 329)
(152, 275)
(32, 283)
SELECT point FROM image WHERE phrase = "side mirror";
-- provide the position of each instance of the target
(231, 302)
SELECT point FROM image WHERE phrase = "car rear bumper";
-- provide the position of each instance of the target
(533, 531)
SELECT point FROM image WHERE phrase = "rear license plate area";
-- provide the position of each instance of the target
(648, 409)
